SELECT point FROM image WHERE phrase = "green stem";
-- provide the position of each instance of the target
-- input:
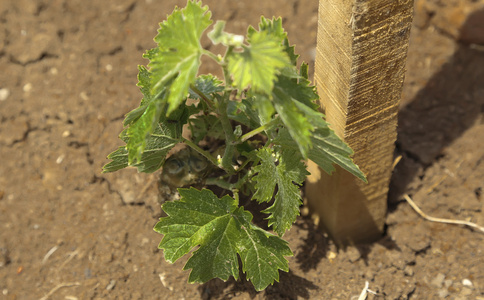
(228, 80)
(205, 154)
(274, 122)
(220, 183)
(216, 58)
(229, 137)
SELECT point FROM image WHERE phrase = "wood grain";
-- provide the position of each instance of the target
(360, 66)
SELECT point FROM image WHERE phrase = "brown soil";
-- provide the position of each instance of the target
(67, 77)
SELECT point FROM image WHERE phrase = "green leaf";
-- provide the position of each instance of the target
(158, 144)
(144, 84)
(202, 126)
(178, 54)
(272, 27)
(140, 131)
(286, 95)
(208, 85)
(244, 112)
(286, 171)
(328, 149)
(259, 63)
(222, 230)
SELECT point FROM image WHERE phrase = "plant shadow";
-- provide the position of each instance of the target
(290, 286)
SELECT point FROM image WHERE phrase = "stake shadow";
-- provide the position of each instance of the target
(450, 103)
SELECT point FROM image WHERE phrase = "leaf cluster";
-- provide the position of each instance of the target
(264, 110)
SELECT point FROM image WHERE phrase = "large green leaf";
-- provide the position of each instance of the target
(259, 63)
(286, 171)
(222, 230)
(178, 53)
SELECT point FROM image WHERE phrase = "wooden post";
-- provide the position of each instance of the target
(360, 65)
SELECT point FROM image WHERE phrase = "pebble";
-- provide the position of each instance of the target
(111, 285)
(27, 87)
(467, 282)
(408, 271)
(448, 283)
(438, 281)
(443, 293)
(4, 93)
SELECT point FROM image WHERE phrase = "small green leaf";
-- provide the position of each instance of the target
(208, 85)
(158, 144)
(119, 161)
(286, 171)
(221, 230)
(178, 54)
(259, 63)
(272, 27)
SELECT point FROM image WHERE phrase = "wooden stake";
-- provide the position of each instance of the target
(360, 65)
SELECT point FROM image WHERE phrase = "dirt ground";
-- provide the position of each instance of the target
(67, 77)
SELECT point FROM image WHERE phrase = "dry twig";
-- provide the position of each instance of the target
(61, 285)
(440, 220)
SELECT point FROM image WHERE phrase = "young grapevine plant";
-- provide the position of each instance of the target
(265, 113)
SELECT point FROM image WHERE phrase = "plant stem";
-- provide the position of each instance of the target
(216, 58)
(205, 154)
(227, 78)
(220, 183)
(229, 136)
(274, 122)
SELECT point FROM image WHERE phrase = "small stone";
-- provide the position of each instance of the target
(448, 283)
(443, 293)
(84, 96)
(109, 67)
(467, 282)
(353, 254)
(408, 271)
(60, 159)
(27, 87)
(111, 285)
(4, 93)
(438, 281)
